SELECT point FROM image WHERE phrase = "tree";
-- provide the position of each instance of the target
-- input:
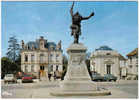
(8, 66)
(13, 49)
(18, 62)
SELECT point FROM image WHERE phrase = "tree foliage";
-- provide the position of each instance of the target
(8, 66)
(11, 63)
(13, 49)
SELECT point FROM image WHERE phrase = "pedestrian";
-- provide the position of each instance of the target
(39, 75)
(49, 76)
(54, 75)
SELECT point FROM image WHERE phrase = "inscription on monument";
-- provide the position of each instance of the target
(77, 59)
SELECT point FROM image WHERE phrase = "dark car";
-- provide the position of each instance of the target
(110, 77)
(27, 78)
(97, 77)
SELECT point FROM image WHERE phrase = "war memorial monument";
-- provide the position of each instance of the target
(77, 81)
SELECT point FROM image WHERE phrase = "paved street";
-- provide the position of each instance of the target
(119, 89)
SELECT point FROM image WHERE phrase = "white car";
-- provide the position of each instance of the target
(9, 78)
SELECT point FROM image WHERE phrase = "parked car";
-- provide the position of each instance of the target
(110, 77)
(27, 78)
(10, 78)
(97, 77)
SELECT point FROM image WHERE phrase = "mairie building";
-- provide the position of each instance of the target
(41, 57)
(105, 60)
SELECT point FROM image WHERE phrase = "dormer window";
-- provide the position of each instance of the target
(41, 44)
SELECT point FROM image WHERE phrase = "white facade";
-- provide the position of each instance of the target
(132, 64)
(105, 61)
(123, 68)
(41, 57)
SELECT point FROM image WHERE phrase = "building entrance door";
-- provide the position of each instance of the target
(108, 69)
(42, 72)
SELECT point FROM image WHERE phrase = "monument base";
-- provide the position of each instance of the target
(77, 80)
(81, 93)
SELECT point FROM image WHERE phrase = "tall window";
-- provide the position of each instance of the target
(41, 58)
(108, 69)
(26, 70)
(130, 59)
(26, 58)
(32, 68)
(51, 67)
(32, 58)
(41, 67)
(56, 67)
(51, 57)
(137, 60)
(57, 57)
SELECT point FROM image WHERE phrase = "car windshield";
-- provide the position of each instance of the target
(27, 76)
(108, 75)
(96, 74)
(9, 75)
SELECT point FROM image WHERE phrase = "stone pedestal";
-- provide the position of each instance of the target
(77, 80)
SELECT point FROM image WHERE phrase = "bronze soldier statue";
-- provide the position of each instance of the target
(76, 23)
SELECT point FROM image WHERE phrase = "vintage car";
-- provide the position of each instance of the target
(27, 79)
(10, 78)
(109, 77)
(97, 77)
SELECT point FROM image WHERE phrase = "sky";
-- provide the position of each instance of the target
(114, 24)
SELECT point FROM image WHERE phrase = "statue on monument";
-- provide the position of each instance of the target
(76, 23)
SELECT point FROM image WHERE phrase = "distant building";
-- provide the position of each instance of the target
(123, 68)
(105, 60)
(41, 57)
(132, 64)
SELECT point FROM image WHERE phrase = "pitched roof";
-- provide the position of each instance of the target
(132, 53)
(36, 44)
(121, 57)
